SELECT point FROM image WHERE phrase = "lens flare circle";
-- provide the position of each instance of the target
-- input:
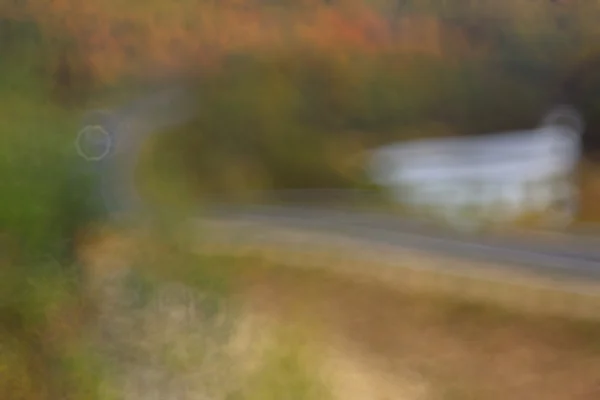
(86, 137)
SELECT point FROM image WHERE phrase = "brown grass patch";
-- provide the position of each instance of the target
(386, 342)
(466, 350)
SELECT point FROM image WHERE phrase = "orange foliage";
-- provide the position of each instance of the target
(120, 38)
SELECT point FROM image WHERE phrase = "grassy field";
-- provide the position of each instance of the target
(314, 333)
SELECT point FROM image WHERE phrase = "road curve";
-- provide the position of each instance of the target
(565, 256)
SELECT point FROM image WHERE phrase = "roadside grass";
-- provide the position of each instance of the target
(172, 322)
(461, 348)
(289, 371)
(522, 289)
(435, 343)
(43, 351)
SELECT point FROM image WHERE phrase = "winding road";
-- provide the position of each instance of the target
(564, 255)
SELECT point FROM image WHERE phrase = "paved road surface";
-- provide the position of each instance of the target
(562, 256)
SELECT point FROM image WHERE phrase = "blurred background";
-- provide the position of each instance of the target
(293, 95)
(289, 99)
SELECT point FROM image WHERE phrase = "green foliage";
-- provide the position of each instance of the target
(285, 121)
(43, 193)
(41, 209)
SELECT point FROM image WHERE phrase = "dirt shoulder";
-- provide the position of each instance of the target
(438, 347)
